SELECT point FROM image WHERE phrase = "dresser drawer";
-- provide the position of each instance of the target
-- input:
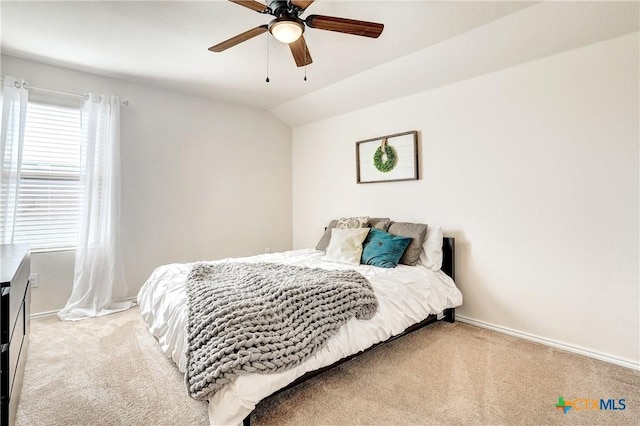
(18, 291)
(15, 348)
(12, 298)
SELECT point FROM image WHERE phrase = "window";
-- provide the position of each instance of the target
(50, 189)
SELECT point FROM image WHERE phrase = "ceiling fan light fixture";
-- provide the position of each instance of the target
(286, 30)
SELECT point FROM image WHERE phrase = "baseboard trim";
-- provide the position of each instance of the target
(550, 342)
(44, 314)
(51, 313)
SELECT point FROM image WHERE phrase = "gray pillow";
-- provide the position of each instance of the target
(353, 222)
(381, 223)
(417, 231)
(326, 237)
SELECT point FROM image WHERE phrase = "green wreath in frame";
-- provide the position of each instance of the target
(383, 164)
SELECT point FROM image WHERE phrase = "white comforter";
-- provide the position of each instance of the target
(406, 295)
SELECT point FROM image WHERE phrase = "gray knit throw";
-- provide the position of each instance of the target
(264, 318)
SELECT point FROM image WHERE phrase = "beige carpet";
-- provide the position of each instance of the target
(110, 371)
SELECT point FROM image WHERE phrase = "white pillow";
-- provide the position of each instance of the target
(431, 254)
(346, 245)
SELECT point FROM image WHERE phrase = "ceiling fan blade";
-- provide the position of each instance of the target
(300, 52)
(253, 5)
(346, 26)
(301, 4)
(239, 39)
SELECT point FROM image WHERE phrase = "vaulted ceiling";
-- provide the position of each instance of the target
(165, 43)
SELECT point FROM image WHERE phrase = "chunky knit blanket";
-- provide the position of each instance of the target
(264, 317)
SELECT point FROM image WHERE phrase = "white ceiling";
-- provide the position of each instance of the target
(165, 43)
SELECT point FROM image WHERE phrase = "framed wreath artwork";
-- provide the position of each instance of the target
(388, 158)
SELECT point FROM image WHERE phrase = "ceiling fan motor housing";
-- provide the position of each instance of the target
(282, 8)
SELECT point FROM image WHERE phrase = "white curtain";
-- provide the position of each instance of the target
(99, 286)
(14, 112)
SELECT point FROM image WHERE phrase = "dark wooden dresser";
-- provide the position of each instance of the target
(15, 267)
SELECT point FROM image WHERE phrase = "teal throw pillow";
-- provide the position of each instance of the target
(383, 249)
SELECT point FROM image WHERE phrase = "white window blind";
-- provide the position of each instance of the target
(49, 192)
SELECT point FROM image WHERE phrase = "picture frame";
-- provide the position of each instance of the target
(374, 162)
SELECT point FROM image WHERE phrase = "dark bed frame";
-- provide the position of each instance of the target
(449, 315)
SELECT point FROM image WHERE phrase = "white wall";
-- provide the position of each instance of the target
(534, 170)
(200, 179)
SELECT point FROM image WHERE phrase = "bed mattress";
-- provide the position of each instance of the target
(406, 295)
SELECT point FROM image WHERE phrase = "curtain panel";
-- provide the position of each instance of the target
(99, 286)
(14, 112)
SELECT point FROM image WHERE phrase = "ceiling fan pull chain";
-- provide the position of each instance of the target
(267, 80)
(306, 61)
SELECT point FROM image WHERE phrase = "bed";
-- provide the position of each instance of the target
(409, 297)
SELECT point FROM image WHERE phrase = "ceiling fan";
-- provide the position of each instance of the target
(288, 26)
